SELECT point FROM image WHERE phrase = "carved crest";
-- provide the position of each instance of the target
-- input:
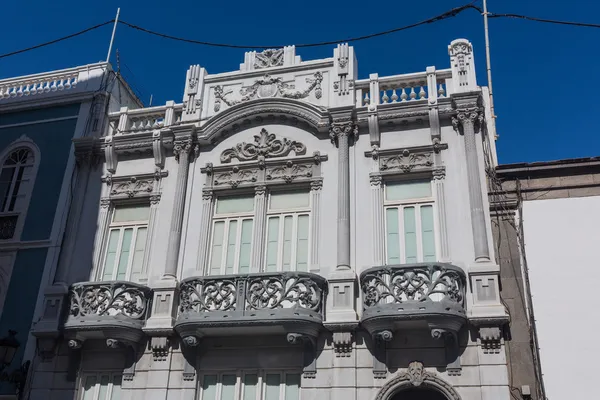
(265, 145)
(415, 373)
(269, 58)
(269, 86)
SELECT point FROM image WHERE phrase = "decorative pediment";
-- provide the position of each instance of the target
(264, 173)
(269, 86)
(413, 159)
(266, 145)
(268, 58)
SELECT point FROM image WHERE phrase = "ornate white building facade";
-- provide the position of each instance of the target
(288, 231)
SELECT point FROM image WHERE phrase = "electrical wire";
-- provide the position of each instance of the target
(549, 21)
(448, 14)
(91, 28)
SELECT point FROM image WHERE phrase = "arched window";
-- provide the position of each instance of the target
(15, 179)
(19, 163)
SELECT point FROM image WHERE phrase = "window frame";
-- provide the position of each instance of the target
(417, 203)
(239, 384)
(97, 385)
(282, 213)
(23, 142)
(122, 226)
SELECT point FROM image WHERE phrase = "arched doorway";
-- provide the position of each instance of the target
(419, 393)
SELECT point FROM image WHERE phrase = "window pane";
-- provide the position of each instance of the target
(250, 383)
(272, 390)
(5, 181)
(89, 387)
(111, 254)
(209, 387)
(292, 386)
(234, 204)
(245, 246)
(302, 244)
(231, 247)
(131, 213)
(288, 223)
(272, 247)
(139, 249)
(16, 189)
(217, 248)
(407, 190)
(393, 239)
(286, 200)
(104, 380)
(410, 235)
(228, 387)
(428, 234)
(116, 389)
(124, 256)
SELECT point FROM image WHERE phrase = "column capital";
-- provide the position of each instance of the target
(472, 115)
(342, 127)
(183, 146)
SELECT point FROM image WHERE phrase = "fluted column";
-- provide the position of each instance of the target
(100, 232)
(439, 176)
(378, 222)
(260, 207)
(468, 120)
(205, 226)
(181, 149)
(315, 193)
(341, 133)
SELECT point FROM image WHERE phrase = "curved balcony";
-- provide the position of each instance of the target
(113, 310)
(289, 303)
(412, 296)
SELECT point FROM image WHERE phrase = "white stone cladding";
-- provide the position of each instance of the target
(342, 140)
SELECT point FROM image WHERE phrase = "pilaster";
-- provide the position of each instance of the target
(315, 194)
(205, 227)
(260, 207)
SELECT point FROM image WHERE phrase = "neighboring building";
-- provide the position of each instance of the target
(40, 115)
(546, 217)
(287, 231)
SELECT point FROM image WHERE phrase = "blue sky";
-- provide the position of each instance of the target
(544, 86)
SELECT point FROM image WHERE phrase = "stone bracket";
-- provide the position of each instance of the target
(342, 344)
(189, 371)
(130, 360)
(490, 339)
(160, 347)
(450, 338)
(380, 340)
(310, 346)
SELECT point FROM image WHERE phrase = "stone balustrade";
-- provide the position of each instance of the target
(40, 83)
(403, 88)
(128, 121)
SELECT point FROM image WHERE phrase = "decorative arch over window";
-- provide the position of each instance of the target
(19, 165)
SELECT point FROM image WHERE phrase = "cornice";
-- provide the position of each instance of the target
(235, 75)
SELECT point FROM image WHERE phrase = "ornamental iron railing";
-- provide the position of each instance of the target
(413, 283)
(252, 292)
(109, 299)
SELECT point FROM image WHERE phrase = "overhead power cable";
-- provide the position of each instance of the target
(91, 28)
(448, 14)
(549, 21)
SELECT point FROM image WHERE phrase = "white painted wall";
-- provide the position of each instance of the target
(561, 244)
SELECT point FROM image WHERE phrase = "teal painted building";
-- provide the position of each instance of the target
(40, 115)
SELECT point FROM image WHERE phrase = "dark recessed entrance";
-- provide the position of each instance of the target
(419, 394)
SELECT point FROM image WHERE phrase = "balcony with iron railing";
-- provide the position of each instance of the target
(112, 310)
(409, 296)
(287, 303)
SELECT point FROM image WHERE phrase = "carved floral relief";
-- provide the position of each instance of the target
(265, 145)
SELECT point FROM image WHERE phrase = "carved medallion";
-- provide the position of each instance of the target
(269, 58)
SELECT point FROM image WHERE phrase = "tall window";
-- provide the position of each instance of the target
(126, 243)
(250, 386)
(103, 386)
(14, 179)
(287, 231)
(409, 223)
(232, 235)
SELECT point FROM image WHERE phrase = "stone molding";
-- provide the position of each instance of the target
(416, 376)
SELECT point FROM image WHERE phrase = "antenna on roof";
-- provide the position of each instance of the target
(150, 105)
(112, 38)
(487, 59)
